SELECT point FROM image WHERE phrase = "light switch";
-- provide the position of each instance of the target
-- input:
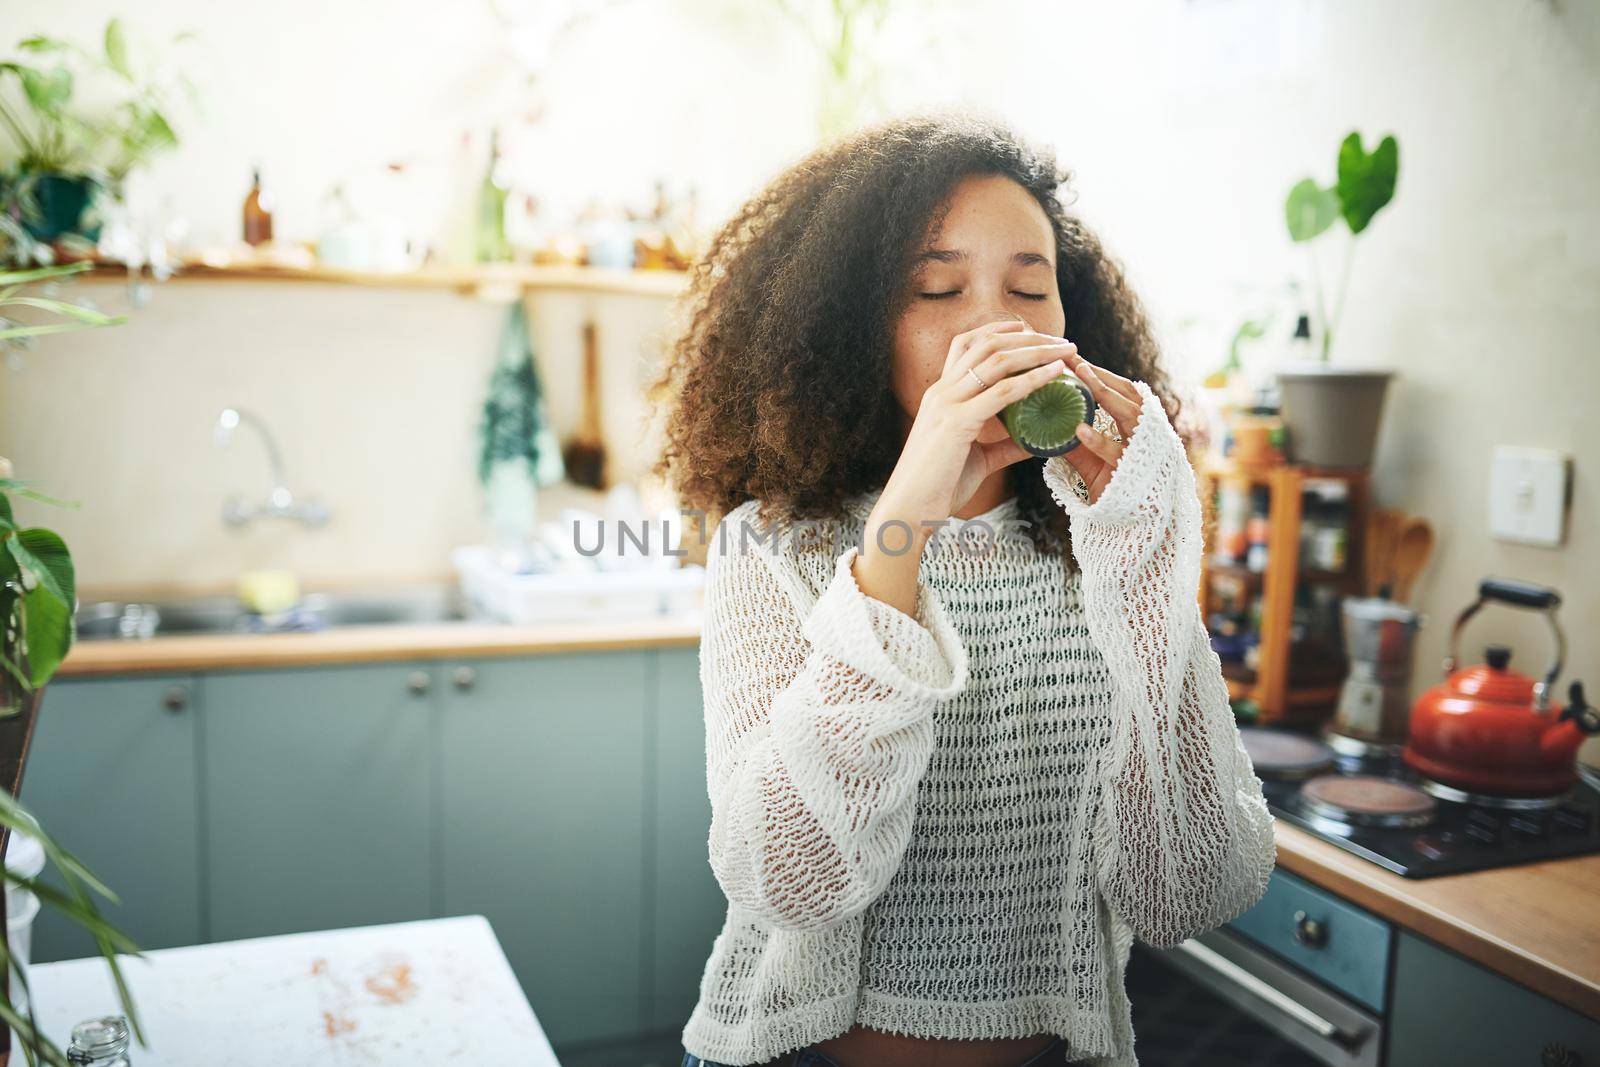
(1528, 494)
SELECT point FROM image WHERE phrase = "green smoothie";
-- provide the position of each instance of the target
(1045, 421)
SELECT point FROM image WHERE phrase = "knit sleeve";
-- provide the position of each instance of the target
(1183, 837)
(818, 732)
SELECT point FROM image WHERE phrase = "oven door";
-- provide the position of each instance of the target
(1218, 999)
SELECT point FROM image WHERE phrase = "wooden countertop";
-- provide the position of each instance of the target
(357, 644)
(1535, 923)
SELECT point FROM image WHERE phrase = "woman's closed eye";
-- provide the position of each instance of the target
(956, 292)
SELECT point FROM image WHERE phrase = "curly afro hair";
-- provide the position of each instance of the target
(799, 291)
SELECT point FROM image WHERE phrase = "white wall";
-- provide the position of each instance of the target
(1185, 120)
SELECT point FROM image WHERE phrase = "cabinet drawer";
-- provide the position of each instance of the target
(1343, 945)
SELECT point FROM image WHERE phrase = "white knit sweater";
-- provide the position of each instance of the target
(954, 825)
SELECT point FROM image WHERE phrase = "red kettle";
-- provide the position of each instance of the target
(1490, 730)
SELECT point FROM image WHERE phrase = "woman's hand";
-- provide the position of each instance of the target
(1098, 454)
(942, 463)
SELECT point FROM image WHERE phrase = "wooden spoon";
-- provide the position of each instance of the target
(584, 455)
(1411, 555)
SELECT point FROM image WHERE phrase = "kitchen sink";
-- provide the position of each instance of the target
(140, 618)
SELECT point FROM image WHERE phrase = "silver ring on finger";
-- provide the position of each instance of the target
(981, 383)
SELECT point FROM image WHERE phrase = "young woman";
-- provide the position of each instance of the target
(954, 769)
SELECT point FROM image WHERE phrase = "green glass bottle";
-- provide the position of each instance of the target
(492, 246)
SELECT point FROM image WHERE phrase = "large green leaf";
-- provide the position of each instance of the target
(48, 91)
(47, 628)
(43, 553)
(1310, 210)
(146, 130)
(117, 48)
(1366, 181)
(47, 625)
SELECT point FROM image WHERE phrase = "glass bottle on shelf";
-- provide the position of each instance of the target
(1256, 528)
(257, 212)
(1300, 347)
(1233, 507)
(1324, 525)
(1333, 532)
(1312, 508)
(492, 245)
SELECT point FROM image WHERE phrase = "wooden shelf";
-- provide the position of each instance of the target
(1271, 686)
(1263, 473)
(1254, 578)
(473, 280)
(1314, 574)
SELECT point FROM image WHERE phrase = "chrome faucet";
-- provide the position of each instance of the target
(280, 502)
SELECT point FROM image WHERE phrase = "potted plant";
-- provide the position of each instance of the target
(64, 159)
(1331, 413)
(37, 599)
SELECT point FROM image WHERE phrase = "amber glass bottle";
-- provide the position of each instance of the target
(257, 213)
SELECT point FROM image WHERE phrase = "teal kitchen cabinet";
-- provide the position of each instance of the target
(561, 795)
(318, 786)
(542, 774)
(1449, 1010)
(689, 905)
(111, 775)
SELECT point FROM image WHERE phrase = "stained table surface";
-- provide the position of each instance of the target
(437, 991)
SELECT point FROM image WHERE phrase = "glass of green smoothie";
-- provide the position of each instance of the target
(1045, 421)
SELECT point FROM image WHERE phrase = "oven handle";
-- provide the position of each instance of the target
(1267, 993)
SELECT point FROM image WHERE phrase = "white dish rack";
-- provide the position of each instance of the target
(564, 596)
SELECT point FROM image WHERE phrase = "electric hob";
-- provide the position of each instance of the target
(1376, 807)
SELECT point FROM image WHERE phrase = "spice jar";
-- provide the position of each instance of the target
(1325, 525)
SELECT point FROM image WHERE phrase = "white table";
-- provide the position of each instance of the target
(435, 991)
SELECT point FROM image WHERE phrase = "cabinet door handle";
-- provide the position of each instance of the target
(465, 678)
(175, 699)
(1312, 933)
(418, 682)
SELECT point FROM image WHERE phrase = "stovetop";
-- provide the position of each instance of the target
(1462, 836)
